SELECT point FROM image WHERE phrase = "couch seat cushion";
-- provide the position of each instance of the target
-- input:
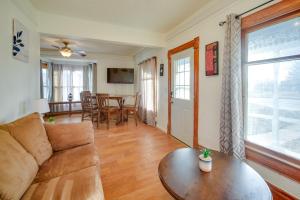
(17, 168)
(29, 131)
(65, 136)
(82, 184)
(67, 161)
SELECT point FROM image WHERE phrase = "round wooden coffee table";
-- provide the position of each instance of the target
(229, 179)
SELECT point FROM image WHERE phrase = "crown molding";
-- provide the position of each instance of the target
(212, 8)
(209, 9)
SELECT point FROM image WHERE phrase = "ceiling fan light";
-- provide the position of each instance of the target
(66, 52)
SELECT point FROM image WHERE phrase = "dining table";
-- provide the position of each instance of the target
(121, 101)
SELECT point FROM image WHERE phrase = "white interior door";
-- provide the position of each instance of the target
(182, 102)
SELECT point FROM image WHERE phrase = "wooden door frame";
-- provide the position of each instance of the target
(191, 44)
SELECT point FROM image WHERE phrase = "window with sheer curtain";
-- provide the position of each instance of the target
(71, 79)
(272, 69)
(147, 89)
(45, 83)
(59, 80)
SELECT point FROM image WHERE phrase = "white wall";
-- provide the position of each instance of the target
(112, 61)
(19, 81)
(208, 30)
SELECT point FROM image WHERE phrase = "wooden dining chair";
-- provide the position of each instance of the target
(133, 109)
(106, 111)
(89, 107)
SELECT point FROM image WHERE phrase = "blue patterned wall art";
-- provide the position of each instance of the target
(20, 50)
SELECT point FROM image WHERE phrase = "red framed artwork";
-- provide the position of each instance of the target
(211, 59)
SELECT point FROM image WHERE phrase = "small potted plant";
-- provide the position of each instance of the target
(205, 160)
(51, 120)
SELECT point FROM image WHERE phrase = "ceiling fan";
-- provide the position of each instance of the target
(67, 52)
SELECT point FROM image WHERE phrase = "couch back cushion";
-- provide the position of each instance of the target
(29, 131)
(18, 168)
(65, 136)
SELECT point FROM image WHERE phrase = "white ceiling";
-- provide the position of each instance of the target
(88, 45)
(154, 15)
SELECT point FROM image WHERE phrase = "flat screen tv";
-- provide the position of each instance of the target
(120, 75)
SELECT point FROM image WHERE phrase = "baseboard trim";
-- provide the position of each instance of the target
(161, 129)
(279, 194)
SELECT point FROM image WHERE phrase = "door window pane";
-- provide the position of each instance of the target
(275, 41)
(187, 65)
(187, 78)
(182, 78)
(180, 65)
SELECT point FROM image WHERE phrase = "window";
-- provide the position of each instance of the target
(45, 83)
(182, 78)
(148, 91)
(272, 71)
(147, 81)
(69, 80)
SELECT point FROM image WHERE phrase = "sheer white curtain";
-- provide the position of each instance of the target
(94, 77)
(147, 89)
(88, 78)
(46, 80)
(71, 79)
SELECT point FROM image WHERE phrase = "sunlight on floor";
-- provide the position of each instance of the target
(129, 158)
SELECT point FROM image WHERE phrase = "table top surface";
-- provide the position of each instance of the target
(111, 96)
(64, 102)
(229, 179)
(116, 96)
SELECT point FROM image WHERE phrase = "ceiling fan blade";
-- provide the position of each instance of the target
(80, 53)
(56, 46)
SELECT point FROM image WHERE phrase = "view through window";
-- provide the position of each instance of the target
(272, 70)
(60, 80)
(68, 81)
(45, 83)
(182, 78)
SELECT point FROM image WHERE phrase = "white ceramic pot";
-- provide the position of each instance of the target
(205, 164)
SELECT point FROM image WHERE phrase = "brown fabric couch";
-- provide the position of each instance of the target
(46, 161)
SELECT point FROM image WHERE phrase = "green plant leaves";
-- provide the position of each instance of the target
(206, 153)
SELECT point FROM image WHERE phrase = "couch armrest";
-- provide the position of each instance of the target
(66, 136)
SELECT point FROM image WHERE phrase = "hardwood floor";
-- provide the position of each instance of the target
(129, 158)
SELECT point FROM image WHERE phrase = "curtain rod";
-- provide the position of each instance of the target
(223, 22)
(154, 57)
